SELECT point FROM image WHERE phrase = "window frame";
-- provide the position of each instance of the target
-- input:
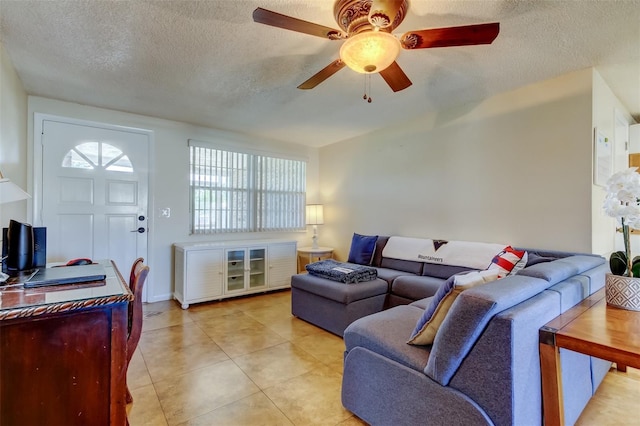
(251, 190)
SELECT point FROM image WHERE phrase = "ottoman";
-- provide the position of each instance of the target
(334, 305)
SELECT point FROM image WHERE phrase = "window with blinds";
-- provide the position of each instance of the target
(242, 192)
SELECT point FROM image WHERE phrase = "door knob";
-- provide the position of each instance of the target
(139, 230)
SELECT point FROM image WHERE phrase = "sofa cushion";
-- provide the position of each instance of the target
(548, 253)
(509, 261)
(415, 287)
(571, 291)
(443, 271)
(422, 303)
(561, 269)
(362, 247)
(339, 292)
(534, 259)
(385, 333)
(402, 265)
(389, 275)
(427, 326)
(383, 392)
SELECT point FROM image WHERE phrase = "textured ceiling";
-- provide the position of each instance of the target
(207, 62)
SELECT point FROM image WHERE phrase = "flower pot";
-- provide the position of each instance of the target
(623, 292)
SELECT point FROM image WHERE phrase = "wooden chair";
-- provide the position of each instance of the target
(138, 276)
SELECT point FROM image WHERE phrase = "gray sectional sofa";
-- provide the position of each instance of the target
(483, 366)
(333, 305)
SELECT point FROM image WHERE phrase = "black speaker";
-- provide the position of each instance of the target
(20, 253)
(39, 247)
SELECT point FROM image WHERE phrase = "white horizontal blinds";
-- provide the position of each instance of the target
(219, 190)
(200, 196)
(280, 194)
(240, 192)
(233, 192)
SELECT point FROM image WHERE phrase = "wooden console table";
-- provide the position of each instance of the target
(592, 328)
(63, 353)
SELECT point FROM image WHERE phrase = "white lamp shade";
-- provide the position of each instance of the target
(10, 192)
(315, 214)
(370, 52)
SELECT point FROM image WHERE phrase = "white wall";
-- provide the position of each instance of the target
(13, 136)
(604, 108)
(515, 168)
(169, 180)
(634, 138)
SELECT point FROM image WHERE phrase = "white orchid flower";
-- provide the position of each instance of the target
(623, 202)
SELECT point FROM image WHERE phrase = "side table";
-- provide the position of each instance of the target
(592, 328)
(308, 255)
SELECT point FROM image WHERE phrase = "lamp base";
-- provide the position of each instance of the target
(314, 244)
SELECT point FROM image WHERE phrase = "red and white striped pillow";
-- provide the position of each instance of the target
(509, 261)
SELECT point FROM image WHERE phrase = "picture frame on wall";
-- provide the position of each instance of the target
(602, 158)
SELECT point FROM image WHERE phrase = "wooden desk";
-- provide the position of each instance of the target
(63, 353)
(592, 328)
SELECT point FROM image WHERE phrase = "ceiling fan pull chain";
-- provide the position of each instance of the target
(365, 88)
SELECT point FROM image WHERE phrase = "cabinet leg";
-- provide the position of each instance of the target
(185, 306)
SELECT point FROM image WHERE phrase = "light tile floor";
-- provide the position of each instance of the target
(243, 361)
(247, 361)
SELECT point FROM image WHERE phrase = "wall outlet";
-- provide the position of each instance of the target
(164, 212)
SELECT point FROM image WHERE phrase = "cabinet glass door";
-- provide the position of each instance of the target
(257, 267)
(235, 270)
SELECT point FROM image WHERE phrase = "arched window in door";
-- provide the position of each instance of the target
(97, 155)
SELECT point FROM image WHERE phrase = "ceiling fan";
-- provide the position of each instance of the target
(369, 47)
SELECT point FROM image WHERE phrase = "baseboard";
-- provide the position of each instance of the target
(160, 298)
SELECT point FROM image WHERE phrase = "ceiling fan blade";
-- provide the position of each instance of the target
(322, 75)
(267, 17)
(395, 77)
(451, 36)
(383, 12)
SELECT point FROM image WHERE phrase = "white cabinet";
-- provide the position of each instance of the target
(215, 270)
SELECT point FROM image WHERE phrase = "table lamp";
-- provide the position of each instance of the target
(315, 217)
(10, 192)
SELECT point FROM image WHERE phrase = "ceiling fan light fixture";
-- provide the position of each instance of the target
(370, 52)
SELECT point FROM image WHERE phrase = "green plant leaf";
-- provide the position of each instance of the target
(635, 267)
(618, 263)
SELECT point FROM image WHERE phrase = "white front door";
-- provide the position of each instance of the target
(94, 193)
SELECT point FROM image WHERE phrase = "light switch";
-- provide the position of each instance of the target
(164, 212)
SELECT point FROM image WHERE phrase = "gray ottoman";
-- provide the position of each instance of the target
(333, 305)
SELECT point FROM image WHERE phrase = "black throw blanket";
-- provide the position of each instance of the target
(347, 273)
